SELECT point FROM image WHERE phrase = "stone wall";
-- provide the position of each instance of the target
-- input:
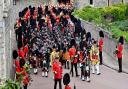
(125, 1)
(81, 3)
(2, 43)
(100, 3)
(115, 1)
(6, 41)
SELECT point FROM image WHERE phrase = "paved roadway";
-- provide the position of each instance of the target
(109, 79)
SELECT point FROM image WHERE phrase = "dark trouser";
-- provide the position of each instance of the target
(55, 84)
(101, 58)
(14, 2)
(62, 61)
(25, 86)
(85, 72)
(48, 64)
(120, 64)
(71, 72)
(67, 64)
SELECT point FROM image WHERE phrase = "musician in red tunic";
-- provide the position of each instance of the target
(100, 44)
(57, 70)
(16, 62)
(73, 58)
(21, 53)
(119, 52)
(66, 81)
(26, 50)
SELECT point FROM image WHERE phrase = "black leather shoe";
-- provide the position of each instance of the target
(119, 71)
(77, 75)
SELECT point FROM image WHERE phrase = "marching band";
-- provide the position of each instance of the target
(53, 37)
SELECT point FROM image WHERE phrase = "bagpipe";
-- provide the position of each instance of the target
(85, 68)
(44, 65)
(85, 63)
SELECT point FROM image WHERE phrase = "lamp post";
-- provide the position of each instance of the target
(122, 1)
(108, 3)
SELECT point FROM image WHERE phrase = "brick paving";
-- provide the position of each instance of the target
(109, 79)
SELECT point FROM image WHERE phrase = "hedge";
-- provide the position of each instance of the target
(116, 23)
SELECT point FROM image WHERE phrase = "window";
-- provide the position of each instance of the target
(91, 2)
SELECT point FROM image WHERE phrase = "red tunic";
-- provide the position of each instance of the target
(57, 68)
(72, 52)
(101, 44)
(26, 79)
(35, 13)
(63, 29)
(58, 21)
(25, 49)
(17, 64)
(67, 87)
(50, 26)
(81, 56)
(75, 60)
(95, 57)
(18, 22)
(21, 54)
(27, 15)
(120, 49)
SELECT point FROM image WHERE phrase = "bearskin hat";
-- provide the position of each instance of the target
(41, 21)
(65, 11)
(64, 1)
(54, 46)
(66, 79)
(54, 10)
(59, 10)
(101, 34)
(73, 19)
(83, 31)
(24, 11)
(39, 10)
(48, 13)
(72, 42)
(46, 9)
(20, 14)
(88, 36)
(59, 1)
(68, 1)
(14, 54)
(30, 7)
(121, 40)
(32, 11)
